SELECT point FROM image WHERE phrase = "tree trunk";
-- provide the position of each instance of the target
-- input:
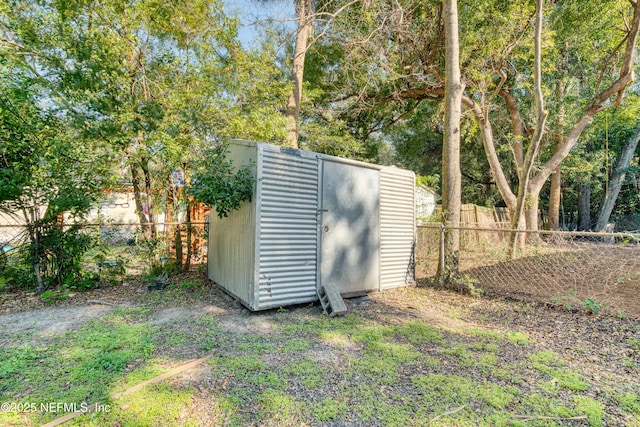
(555, 192)
(531, 214)
(168, 213)
(144, 165)
(187, 263)
(615, 183)
(177, 238)
(304, 11)
(451, 174)
(584, 206)
(598, 103)
(526, 197)
(38, 256)
(34, 229)
(481, 114)
(137, 198)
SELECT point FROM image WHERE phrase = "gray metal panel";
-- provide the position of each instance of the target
(232, 239)
(397, 227)
(350, 227)
(288, 222)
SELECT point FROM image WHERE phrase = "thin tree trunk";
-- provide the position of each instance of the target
(168, 212)
(137, 198)
(187, 263)
(451, 174)
(304, 11)
(524, 192)
(615, 183)
(481, 115)
(144, 165)
(38, 255)
(178, 245)
(597, 104)
(518, 129)
(32, 219)
(555, 192)
(584, 206)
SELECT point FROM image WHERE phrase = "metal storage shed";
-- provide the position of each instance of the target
(313, 219)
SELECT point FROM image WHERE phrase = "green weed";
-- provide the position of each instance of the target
(629, 402)
(242, 365)
(377, 369)
(593, 409)
(369, 334)
(189, 285)
(76, 367)
(461, 352)
(546, 357)
(520, 338)
(280, 408)
(329, 409)
(401, 353)
(417, 332)
(308, 369)
(255, 345)
(156, 404)
(296, 344)
(551, 364)
(453, 390)
(535, 404)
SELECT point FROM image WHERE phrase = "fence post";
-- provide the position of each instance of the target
(99, 227)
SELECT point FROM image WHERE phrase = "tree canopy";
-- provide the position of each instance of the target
(104, 94)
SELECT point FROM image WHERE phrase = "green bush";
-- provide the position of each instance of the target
(64, 249)
(60, 252)
(219, 184)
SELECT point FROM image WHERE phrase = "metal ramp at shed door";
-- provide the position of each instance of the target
(350, 229)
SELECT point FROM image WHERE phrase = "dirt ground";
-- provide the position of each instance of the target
(591, 278)
(597, 345)
(21, 312)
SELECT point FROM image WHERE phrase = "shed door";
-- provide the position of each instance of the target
(349, 243)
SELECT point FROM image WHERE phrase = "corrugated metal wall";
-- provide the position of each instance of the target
(232, 239)
(397, 227)
(288, 227)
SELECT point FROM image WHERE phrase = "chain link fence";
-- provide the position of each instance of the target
(183, 245)
(114, 251)
(578, 271)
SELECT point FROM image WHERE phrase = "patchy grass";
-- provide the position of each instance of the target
(329, 409)
(552, 365)
(76, 367)
(376, 366)
(418, 332)
(521, 338)
(155, 405)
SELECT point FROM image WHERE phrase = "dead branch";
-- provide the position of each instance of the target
(97, 301)
(543, 417)
(444, 414)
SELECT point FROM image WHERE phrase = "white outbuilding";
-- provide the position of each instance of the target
(313, 220)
